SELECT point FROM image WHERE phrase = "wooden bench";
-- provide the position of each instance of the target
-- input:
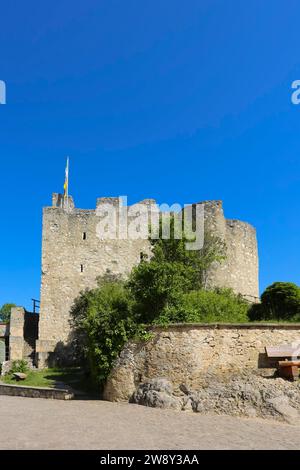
(288, 367)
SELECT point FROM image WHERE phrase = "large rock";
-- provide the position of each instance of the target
(120, 386)
(282, 406)
(156, 393)
(249, 395)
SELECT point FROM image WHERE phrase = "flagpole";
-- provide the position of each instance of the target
(68, 166)
(66, 186)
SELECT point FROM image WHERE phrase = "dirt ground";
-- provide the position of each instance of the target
(27, 423)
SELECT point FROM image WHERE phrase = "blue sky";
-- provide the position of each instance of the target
(180, 101)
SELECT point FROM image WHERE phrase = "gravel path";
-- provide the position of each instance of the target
(28, 423)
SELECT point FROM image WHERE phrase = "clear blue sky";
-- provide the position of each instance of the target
(180, 101)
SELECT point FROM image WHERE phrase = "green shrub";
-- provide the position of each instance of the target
(102, 319)
(204, 306)
(155, 286)
(257, 312)
(20, 366)
(280, 301)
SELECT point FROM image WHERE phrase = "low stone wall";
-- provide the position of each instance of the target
(186, 354)
(35, 392)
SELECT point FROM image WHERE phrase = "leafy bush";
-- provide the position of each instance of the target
(103, 322)
(280, 301)
(220, 305)
(257, 312)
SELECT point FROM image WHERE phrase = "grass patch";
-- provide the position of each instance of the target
(53, 378)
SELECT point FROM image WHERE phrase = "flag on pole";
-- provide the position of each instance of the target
(66, 185)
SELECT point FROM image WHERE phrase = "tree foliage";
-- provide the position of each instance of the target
(5, 312)
(280, 301)
(159, 283)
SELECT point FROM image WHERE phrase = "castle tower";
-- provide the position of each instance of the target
(239, 271)
(74, 256)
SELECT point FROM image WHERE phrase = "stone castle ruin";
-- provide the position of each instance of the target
(74, 256)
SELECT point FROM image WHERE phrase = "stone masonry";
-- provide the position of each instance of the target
(16, 334)
(73, 257)
(23, 333)
(188, 355)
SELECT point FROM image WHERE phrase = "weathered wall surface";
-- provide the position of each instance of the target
(16, 333)
(23, 333)
(73, 256)
(239, 270)
(186, 354)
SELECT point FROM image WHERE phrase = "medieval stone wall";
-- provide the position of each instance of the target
(189, 354)
(73, 256)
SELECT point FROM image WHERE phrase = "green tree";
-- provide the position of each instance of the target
(172, 271)
(280, 301)
(158, 285)
(5, 312)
